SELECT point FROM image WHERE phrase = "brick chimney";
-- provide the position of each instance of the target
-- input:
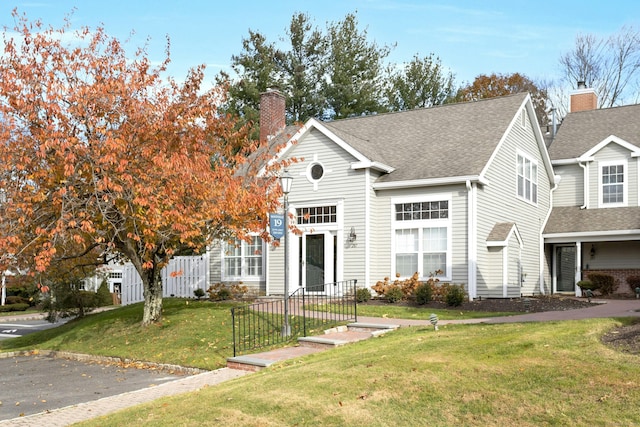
(272, 113)
(583, 99)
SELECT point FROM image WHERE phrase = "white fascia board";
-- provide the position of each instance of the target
(349, 149)
(373, 165)
(428, 182)
(594, 236)
(635, 150)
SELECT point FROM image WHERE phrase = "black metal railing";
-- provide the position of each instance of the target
(263, 324)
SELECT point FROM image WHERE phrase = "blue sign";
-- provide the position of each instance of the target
(276, 224)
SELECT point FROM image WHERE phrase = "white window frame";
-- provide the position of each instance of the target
(625, 185)
(244, 261)
(420, 225)
(527, 181)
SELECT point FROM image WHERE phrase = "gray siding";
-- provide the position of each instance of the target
(612, 255)
(339, 184)
(458, 212)
(614, 152)
(498, 202)
(570, 191)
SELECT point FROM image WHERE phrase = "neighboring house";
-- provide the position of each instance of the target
(461, 188)
(595, 222)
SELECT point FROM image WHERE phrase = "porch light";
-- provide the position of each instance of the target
(593, 251)
(285, 182)
(352, 235)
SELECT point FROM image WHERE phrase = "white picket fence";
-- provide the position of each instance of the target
(180, 278)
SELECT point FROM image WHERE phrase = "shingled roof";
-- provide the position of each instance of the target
(453, 140)
(583, 130)
(572, 219)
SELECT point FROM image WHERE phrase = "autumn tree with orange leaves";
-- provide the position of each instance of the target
(494, 85)
(99, 152)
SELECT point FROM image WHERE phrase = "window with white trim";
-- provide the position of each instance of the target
(613, 184)
(527, 178)
(243, 259)
(422, 238)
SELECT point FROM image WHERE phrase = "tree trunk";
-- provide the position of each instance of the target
(152, 291)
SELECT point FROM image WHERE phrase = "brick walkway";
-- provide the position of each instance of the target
(96, 408)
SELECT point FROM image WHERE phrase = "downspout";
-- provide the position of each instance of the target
(556, 180)
(471, 240)
(367, 228)
(585, 185)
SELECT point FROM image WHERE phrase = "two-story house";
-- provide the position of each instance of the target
(594, 225)
(463, 188)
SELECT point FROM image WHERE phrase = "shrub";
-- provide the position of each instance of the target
(606, 283)
(455, 295)
(103, 295)
(587, 284)
(406, 286)
(220, 292)
(198, 293)
(394, 294)
(363, 295)
(14, 299)
(14, 307)
(424, 293)
(633, 282)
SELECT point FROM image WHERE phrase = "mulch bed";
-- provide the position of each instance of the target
(624, 338)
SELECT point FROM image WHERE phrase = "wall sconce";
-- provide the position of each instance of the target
(593, 251)
(352, 235)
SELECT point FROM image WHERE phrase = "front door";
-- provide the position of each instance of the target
(317, 260)
(565, 268)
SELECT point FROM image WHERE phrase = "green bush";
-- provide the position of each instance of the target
(424, 293)
(14, 307)
(14, 299)
(394, 294)
(605, 283)
(633, 282)
(455, 295)
(103, 296)
(198, 293)
(363, 295)
(587, 284)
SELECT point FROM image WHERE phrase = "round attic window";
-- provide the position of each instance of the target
(316, 172)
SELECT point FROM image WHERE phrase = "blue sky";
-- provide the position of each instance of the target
(470, 37)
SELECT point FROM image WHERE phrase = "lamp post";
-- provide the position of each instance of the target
(285, 183)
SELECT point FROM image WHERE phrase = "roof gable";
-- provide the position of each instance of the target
(439, 145)
(581, 131)
(526, 105)
(611, 139)
(502, 232)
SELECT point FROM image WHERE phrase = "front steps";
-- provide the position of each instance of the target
(334, 337)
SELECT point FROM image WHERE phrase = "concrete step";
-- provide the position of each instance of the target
(334, 337)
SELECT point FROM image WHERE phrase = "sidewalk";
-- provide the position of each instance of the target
(370, 326)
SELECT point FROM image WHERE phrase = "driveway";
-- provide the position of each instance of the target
(33, 384)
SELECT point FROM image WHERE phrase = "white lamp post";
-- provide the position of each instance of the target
(285, 183)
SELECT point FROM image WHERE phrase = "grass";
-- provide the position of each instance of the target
(193, 333)
(524, 374)
(399, 312)
(527, 374)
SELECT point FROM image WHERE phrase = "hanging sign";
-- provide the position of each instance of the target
(276, 224)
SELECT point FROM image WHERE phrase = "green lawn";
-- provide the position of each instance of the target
(193, 333)
(525, 374)
(529, 374)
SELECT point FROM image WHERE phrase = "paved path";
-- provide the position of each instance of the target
(88, 410)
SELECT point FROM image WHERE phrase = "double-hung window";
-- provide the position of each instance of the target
(527, 178)
(243, 259)
(613, 184)
(422, 236)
